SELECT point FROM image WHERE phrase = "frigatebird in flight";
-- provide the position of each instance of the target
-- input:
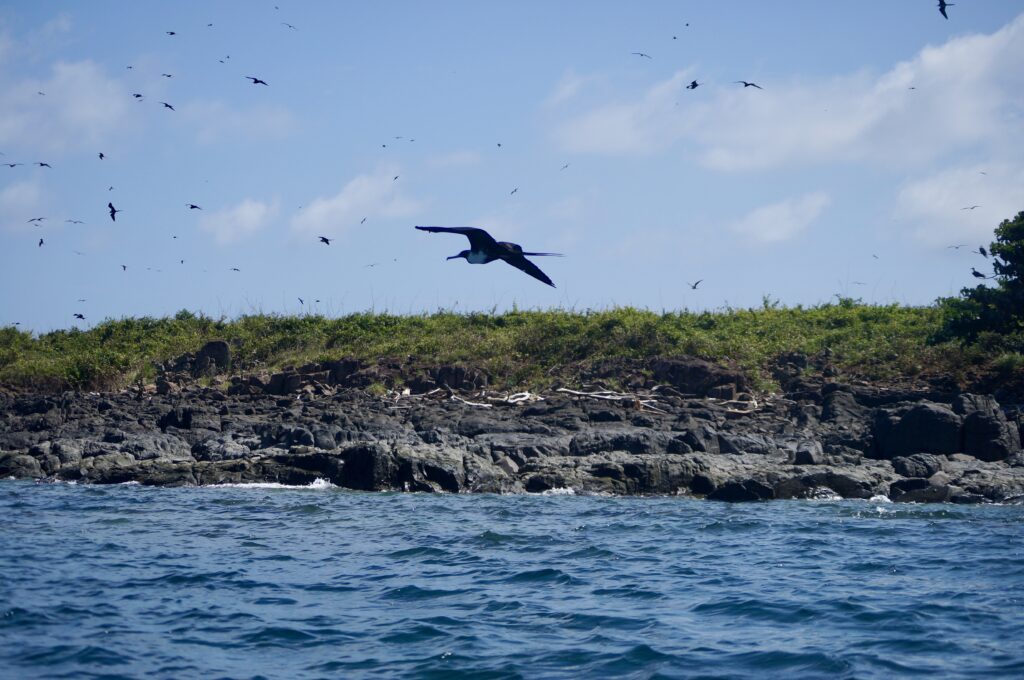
(40, 243)
(193, 206)
(167, 106)
(113, 212)
(80, 316)
(257, 81)
(484, 249)
(43, 165)
(642, 54)
(942, 7)
(693, 85)
(102, 156)
(324, 239)
(694, 284)
(971, 207)
(981, 251)
(746, 84)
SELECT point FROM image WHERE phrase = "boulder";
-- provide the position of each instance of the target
(989, 436)
(922, 428)
(742, 491)
(694, 376)
(214, 357)
(918, 465)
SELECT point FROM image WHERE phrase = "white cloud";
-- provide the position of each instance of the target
(376, 195)
(568, 87)
(246, 218)
(81, 107)
(935, 204)
(20, 202)
(216, 120)
(966, 94)
(783, 220)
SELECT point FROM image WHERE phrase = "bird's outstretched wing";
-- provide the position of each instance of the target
(521, 263)
(478, 238)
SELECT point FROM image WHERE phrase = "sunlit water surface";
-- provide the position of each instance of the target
(129, 581)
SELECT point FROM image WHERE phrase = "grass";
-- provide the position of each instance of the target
(518, 348)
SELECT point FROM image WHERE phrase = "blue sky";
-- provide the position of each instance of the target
(846, 174)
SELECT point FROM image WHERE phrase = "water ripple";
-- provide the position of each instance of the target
(132, 581)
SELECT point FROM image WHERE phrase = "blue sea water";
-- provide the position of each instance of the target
(130, 581)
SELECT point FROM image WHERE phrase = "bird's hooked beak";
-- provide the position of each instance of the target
(464, 253)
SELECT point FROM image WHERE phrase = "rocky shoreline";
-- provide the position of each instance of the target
(681, 426)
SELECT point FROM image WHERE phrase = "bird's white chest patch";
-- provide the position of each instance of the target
(477, 258)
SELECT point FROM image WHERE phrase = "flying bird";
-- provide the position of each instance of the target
(285, 23)
(40, 243)
(513, 191)
(75, 221)
(13, 165)
(235, 269)
(167, 106)
(43, 165)
(394, 178)
(693, 85)
(484, 249)
(564, 166)
(746, 84)
(301, 301)
(170, 33)
(166, 75)
(642, 54)
(362, 221)
(958, 246)
(325, 240)
(36, 219)
(124, 267)
(971, 207)
(256, 81)
(80, 316)
(193, 206)
(942, 7)
(102, 156)
(694, 284)
(113, 212)
(981, 251)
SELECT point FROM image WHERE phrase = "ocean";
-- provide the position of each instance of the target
(268, 582)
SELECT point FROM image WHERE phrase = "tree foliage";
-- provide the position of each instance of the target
(996, 306)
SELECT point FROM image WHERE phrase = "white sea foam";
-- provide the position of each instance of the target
(880, 498)
(318, 483)
(565, 491)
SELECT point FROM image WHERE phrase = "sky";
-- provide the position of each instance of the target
(846, 173)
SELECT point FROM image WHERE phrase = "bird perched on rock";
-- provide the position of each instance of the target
(484, 249)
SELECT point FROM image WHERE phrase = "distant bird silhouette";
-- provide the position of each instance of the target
(285, 23)
(193, 206)
(976, 274)
(301, 301)
(256, 81)
(693, 85)
(13, 165)
(43, 165)
(642, 54)
(75, 221)
(484, 249)
(499, 145)
(170, 33)
(36, 219)
(958, 246)
(564, 166)
(362, 221)
(394, 178)
(235, 269)
(981, 251)
(82, 300)
(324, 239)
(110, 188)
(167, 106)
(124, 267)
(971, 207)
(746, 84)
(167, 75)
(80, 316)
(40, 243)
(513, 191)
(113, 212)
(694, 284)
(942, 7)
(102, 156)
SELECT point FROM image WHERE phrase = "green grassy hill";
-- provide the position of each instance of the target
(518, 348)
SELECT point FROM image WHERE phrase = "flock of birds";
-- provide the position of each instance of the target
(484, 248)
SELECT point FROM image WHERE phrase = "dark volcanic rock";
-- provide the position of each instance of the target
(694, 376)
(921, 428)
(304, 423)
